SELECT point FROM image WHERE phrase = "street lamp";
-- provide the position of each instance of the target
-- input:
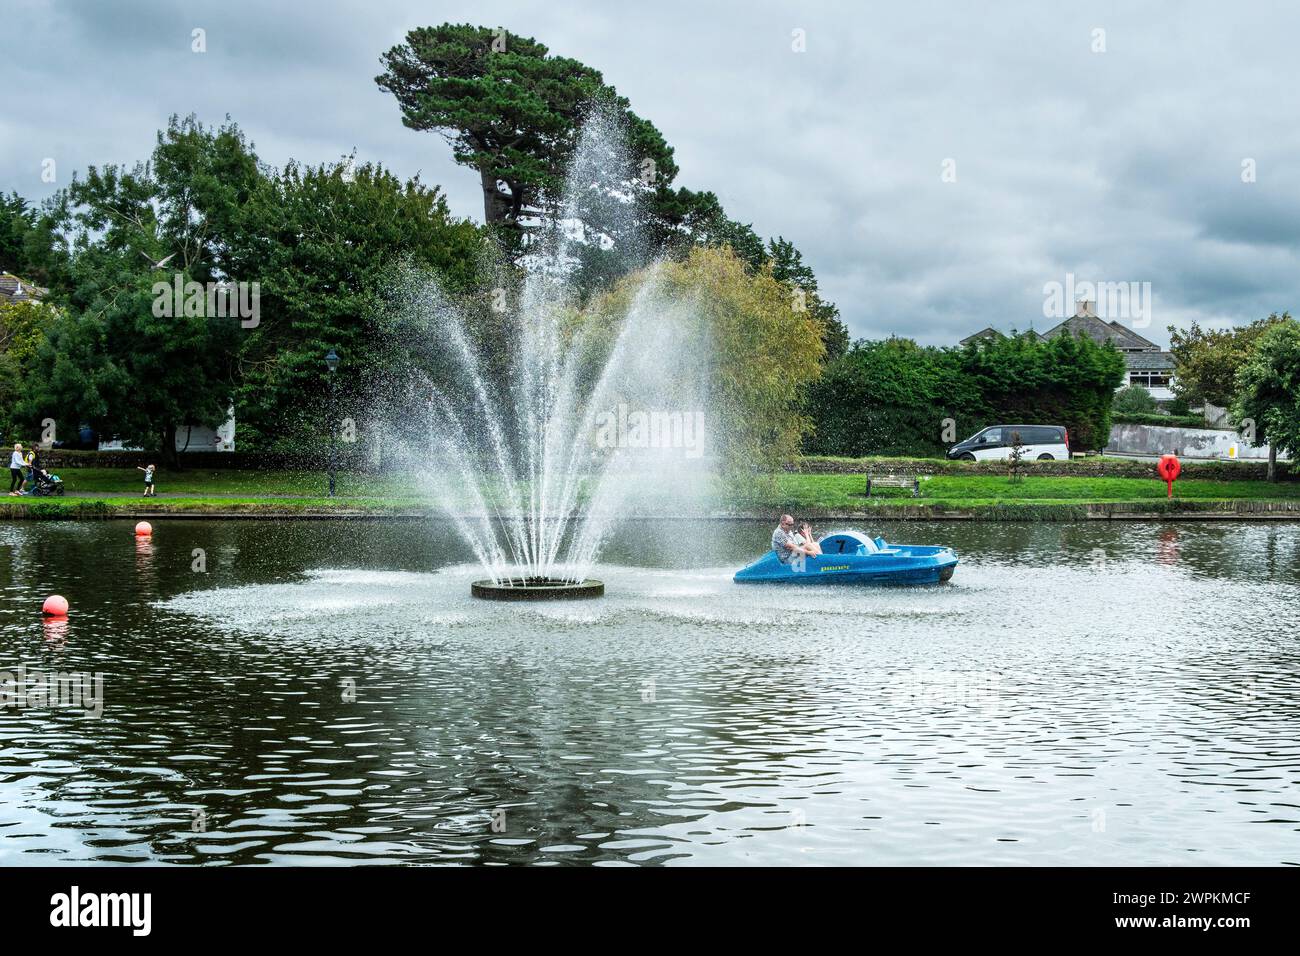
(332, 363)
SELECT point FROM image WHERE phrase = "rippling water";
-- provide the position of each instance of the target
(329, 693)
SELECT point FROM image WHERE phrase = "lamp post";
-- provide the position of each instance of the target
(332, 363)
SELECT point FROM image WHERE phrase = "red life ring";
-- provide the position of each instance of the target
(1168, 468)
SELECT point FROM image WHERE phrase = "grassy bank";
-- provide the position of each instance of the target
(842, 491)
(105, 493)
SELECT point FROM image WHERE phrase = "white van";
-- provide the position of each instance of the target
(1040, 443)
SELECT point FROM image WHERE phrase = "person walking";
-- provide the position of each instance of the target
(16, 469)
(33, 463)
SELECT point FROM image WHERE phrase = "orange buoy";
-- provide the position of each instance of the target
(143, 529)
(56, 605)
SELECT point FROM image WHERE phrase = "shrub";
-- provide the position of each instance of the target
(1135, 400)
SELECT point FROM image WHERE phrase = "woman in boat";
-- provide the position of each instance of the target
(805, 541)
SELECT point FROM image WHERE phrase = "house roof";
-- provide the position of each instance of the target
(985, 333)
(14, 289)
(1133, 335)
(992, 333)
(1150, 361)
(1101, 332)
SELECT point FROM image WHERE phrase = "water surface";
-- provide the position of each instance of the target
(328, 693)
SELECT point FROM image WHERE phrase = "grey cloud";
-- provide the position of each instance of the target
(1115, 166)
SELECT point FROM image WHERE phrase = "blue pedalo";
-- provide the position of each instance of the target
(850, 557)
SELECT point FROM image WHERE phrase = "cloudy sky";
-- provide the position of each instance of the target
(938, 163)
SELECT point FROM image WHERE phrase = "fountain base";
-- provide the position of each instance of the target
(537, 589)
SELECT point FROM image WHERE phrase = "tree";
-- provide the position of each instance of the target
(322, 242)
(17, 219)
(762, 354)
(29, 247)
(788, 267)
(126, 359)
(1206, 361)
(23, 327)
(1016, 460)
(308, 248)
(512, 112)
(1268, 390)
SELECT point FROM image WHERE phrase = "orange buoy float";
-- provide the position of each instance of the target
(56, 605)
(143, 529)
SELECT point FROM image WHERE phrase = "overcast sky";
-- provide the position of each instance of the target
(1115, 156)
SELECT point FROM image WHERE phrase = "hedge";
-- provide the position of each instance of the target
(61, 458)
(1164, 421)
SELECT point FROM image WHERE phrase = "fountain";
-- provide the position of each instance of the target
(548, 416)
(537, 589)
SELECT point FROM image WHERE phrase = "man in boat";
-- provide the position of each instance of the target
(783, 542)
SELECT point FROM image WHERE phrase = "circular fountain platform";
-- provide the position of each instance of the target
(537, 589)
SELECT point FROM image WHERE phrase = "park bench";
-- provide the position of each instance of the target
(892, 480)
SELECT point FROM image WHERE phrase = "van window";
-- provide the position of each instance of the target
(1040, 435)
(991, 437)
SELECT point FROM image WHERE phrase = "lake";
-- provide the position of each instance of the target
(329, 693)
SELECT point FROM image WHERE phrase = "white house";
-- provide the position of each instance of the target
(192, 438)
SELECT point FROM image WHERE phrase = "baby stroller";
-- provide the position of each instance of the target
(46, 484)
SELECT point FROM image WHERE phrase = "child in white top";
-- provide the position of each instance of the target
(149, 490)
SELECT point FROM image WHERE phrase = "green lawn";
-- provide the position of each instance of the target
(206, 490)
(847, 491)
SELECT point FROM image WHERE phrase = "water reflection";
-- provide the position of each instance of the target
(1087, 693)
(56, 631)
(1167, 546)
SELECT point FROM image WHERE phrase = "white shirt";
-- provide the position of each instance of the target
(16, 460)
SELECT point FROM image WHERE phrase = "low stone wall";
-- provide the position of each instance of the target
(1186, 443)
